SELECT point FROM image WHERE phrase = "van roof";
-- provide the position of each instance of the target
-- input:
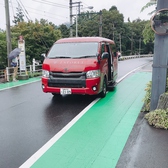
(84, 39)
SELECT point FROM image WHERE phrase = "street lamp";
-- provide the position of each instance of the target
(89, 7)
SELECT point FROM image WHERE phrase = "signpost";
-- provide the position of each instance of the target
(22, 56)
(22, 59)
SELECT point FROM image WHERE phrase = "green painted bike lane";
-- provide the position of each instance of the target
(97, 139)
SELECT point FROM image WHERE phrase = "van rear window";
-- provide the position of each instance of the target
(73, 50)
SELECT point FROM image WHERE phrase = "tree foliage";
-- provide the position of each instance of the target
(3, 47)
(38, 36)
(19, 15)
(131, 37)
(149, 4)
(148, 34)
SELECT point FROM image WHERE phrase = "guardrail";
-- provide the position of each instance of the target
(134, 56)
(31, 70)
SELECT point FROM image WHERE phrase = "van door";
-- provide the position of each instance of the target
(110, 61)
(103, 62)
(114, 61)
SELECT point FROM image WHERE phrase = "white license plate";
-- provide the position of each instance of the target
(65, 91)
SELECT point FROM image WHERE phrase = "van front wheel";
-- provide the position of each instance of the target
(104, 89)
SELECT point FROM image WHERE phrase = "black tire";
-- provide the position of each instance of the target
(104, 89)
(111, 86)
(56, 95)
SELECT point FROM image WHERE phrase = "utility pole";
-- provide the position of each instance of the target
(8, 32)
(160, 60)
(71, 15)
(113, 32)
(77, 13)
(132, 43)
(100, 24)
(70, 7)
(120, 41)
(140, 46)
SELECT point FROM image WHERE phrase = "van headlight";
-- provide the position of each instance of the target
(45, 73)
(93, 74)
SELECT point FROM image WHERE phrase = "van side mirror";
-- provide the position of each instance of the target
(159, 22)
(105, 55)
(43, 55)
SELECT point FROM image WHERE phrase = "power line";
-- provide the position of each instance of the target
(41, 12)
(45, 12)
(52, 3)
(25, 11)
(12, 7)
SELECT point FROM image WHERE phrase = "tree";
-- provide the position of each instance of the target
(134, 42)
(151, 3)
(112, 22)
(64, 30)
(39, 37)
(148, 34)
(131, 37)
(3, 52)
(19, 15)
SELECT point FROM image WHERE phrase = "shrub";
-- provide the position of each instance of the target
(158, 118)
(34, 74)
(147, 97)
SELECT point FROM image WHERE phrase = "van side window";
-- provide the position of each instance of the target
(102, 48)
(108, 48)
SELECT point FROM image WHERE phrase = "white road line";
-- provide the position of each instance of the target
(44, 148)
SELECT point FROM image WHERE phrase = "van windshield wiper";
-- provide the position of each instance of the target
(59, 57)
(85, 56)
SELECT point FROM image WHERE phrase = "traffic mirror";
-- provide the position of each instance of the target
(159, 22)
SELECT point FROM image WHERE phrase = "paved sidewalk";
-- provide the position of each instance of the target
(147, 147)
(98, 138)
(8, 85)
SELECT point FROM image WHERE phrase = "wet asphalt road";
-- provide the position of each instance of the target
(29, 117)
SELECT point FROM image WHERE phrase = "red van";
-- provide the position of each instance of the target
(80, 65)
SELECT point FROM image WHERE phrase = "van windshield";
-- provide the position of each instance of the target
(73, 50)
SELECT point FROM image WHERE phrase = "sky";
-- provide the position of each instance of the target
(57, 11)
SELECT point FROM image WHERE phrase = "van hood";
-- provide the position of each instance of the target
(70, 65)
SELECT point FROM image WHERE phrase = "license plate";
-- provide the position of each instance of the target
(65, 91)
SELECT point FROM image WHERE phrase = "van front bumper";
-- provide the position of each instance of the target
(92, 87)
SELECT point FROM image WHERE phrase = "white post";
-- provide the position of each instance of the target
(7, 74)
(30, 68)
(34, 62)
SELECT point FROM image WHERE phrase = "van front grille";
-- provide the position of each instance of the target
(67, 80)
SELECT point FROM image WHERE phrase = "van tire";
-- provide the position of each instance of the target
(104, 89)
(56, 94)
(111, 86)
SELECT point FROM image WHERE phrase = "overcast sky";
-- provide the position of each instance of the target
(57, 11)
